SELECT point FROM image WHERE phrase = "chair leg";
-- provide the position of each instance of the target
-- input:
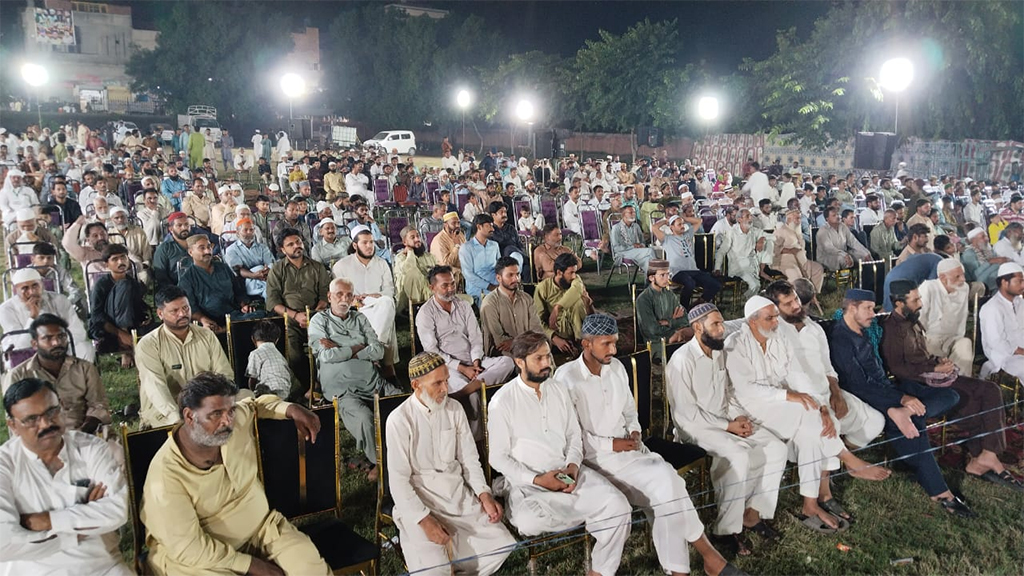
(587, 563)
(531, 565)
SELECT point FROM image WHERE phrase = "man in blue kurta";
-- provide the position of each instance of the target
(213, 290)
(477, 258)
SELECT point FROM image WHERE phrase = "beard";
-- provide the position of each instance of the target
(712, 342)
(362, 254)
(430, 402)
(210, 440)
(563, 284)
(53, 354)
(795, 318)
(446, 297)
(419, 250)
(342, 309)
(538, 377)
(912, 316)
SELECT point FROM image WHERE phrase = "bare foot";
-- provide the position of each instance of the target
(865, 471)
(127, 361)
(372, 474)
(815, 510)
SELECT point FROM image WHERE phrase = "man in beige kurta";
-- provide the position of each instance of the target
(508, 311)
(791, 256)
(445, 246)
(411, 267)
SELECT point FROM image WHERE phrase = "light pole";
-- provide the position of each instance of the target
(707, 110)
(463, 99)
(35, 76)
(293, 86)
(524, 112)
(895, 76)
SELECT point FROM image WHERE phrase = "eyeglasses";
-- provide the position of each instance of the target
(51, 414)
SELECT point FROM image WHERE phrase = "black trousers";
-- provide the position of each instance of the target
(690, 279)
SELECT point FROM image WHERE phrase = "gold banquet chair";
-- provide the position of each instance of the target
(383, 406)
(139, 450)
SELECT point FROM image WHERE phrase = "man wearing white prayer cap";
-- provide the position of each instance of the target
(15, 195)
(28, 230)
(329, 246)
(29, 302)
(979, 262)
(766, 376)
(1002, 324)
(944, 303)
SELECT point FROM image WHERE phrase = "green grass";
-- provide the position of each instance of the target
(894, 518)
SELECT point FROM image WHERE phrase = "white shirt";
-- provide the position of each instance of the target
(571, 216)
(84, 537)
(1002, 328)
(530, 435)
(374, 277)
(1004, 249)
(788, 193)
(257, 142)
(14, 199)
(943, 315)
(450, 162)
(604, 404)
(975, 213)
(761, 376)
(698, 391)
(14, 315)
(758, 187)
(358, 183)
(810, 349)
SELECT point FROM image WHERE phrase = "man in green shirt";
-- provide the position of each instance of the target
(658, 313)
(562, 301)
(294, 284)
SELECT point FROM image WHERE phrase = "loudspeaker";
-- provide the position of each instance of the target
(874, 150)
(300, 129)
(547, 143)
(650, 136)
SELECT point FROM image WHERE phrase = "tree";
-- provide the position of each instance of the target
(968, 81)
(215, 53)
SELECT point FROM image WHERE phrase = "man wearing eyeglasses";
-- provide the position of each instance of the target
(65, 495)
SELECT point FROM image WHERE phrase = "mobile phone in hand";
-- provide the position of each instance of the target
(565, 478)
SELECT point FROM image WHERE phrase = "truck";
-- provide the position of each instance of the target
(201, 118)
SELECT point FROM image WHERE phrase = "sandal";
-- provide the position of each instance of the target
(956, 507)
(1004, 479)
(732, 544)
(816, 524)
(833, 507)
(764, 530)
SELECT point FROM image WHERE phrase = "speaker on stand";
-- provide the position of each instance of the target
(874, 150)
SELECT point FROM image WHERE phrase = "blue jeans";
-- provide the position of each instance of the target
(937, 401)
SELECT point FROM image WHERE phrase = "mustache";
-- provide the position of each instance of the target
(48, 431)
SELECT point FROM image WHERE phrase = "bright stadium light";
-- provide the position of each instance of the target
(34, 75)
(524, 110)
(463, 99)
(293, 87)
(895, 76)
(707, 108)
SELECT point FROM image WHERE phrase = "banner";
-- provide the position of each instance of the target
(55, 27)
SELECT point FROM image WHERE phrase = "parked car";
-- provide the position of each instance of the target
(402, 141)
(164, 131)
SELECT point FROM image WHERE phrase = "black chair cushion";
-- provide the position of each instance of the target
(338, 544)
(676, 454)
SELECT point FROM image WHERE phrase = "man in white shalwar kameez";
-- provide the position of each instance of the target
(944, 315)
(29, 302)
(375, 290)
(748, 250)
(612, 445)
(747, 461)
(1001, 319)
(766, 376)
(64, 492)
(442, 500)
(536, 445)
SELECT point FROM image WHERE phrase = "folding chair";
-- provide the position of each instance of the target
(51, 281)
(590, 222)
(563, 538)
(302, 481)
(432, 188)
(238, 335)
(382, 194)
(414, 338)
(139, 450)
(19, 254)
(396, 222)
(12, 355)
(618, 261)
(383, 406)
(871, 276)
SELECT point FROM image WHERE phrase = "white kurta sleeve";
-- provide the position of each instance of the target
(106, 514)
(573, 435)
(499, 431)
(688, 410)
(997, 347)
(399, 436)
(746, 378)
(469, 458)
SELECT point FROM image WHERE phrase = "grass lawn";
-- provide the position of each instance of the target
(894, 519)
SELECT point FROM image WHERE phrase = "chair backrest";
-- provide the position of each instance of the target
(383, 406)
(380, 190)
(430, 238)
(813, 254)
(549, 209)
(300, 478)
(240, 344)
(638, 370)
(486, 393)
(139, 450)
(14, 356)
(704, 251)
(590, 221)
(872, 277)
(432, 188)
(56, 214)
(518, 205)
(708, 221)
(395, 225)
(461, 199)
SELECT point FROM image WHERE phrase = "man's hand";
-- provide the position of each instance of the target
(38, 522)
(759, 246)
(838, 405)
(848, 259)
(678, 313)
(740, 426)
(913, 404)
(491, 508)
(434, 530)
(1019, 351)
(470, 372)
(574, 471)
(800, 398)
(328, 343)
(306, 422)
(504, 346)
(259, 567)
(828, 428)
(548, 481)
(564, 345)
(624, 445)
(124, 338)
(209, 324)
(302, 319)
(553, 317)
(945, 366)
(901, 418)
(663, 322)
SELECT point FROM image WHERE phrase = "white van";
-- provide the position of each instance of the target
(404, 141)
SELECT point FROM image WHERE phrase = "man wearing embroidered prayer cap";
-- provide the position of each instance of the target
(1002, 320)
(537, 448)
(612, 445)
(861, 373)
(766, 378)
(440, 492)
(747, 461)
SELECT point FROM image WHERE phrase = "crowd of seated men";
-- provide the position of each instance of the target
(482, 262)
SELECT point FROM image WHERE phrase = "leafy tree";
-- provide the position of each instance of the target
(216, 53)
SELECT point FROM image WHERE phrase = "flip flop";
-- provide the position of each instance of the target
(833, 507)
(818, 525)
(731, 570)
(733, 544)
(764, 530)
(1004, 479)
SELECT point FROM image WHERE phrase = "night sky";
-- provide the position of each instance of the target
(720, 32)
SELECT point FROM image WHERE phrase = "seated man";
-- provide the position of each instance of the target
(861, 373)
(172, 251)
(442, 501)
(331, 246)
(883, 237)
(346, 348)
(117, 306)
(96, 239)
(374, 290)
(27, 232)
(627, 240)
(478, 256)
(749, 252)
(550, 248)
(445, 245)
(152, 214)
(766, 378)
(1011, 245)
(536, 445)
(790, 255)
(447, 326)
(612, 445)
(508, 311)
(65, 497)
(979, 411)
(29, 302)
(1001, 319)
(198, 203)
(943, 315)
(837, 248)
(203, 486)
(250, 259)
(212, 288)
(919, 240)
(562, 302)
(979, 262)
(364, 218)
(505, 233)
(676, 237)
(44, 258)
(135, 240)
(171, 355)
(76, 381)
(658, 312)
(411, 267)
